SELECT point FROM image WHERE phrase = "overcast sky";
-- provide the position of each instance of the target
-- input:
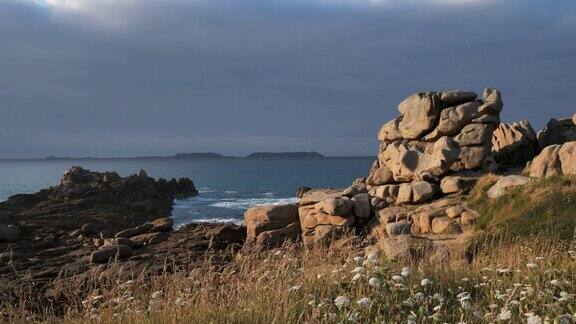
(156, 77)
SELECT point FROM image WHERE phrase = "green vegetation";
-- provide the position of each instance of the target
(544, 208)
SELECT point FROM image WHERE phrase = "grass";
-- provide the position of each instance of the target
(544, 208)
(291, 285)
(525, 273)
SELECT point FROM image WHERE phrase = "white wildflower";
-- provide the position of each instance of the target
(397, 278)
(531, 265)
(505, 314)
(408, 303)
(341, 301)
(419, 297)
(354, 317)
(564, 296)
(466, 304)
(179, 301)
(294, 288)
(156, 295)
(374, 282)
(319, 276)
(566, 319)
(359, 270)
(425, 282)
(332, 316)
(356, 277)
(514, 303)
(358, 259)
(406, 271)
(463, 295)
(364, 302)
(373, 257)
(534, 319)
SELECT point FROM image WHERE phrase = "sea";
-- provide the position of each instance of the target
(227, 187)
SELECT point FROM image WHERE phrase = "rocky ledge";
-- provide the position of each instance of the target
(92, 221)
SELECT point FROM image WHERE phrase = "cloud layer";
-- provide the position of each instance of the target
(104, 77)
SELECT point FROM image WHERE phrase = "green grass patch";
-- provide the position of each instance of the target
(542, 208)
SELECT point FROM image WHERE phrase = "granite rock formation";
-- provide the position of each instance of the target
(514, 144)
(439, 145)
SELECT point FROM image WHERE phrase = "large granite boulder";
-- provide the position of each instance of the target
(557, 132)
(554, 160)
(514, 144)
(270, 217)
(455, 97)
(419, 114)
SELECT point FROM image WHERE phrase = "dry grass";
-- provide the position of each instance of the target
(294, 285)
(518, 275)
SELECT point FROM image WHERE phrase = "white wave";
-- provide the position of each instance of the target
(218, 220)
(268, 194)
(230, 192)
(243, 204)
(187, 203)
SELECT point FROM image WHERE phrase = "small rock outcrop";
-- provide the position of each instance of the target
(91, 202)
(505, 183)
(514, 144)
(272, 225)
(554, 160)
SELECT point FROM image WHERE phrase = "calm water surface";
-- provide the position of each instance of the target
(227, 186)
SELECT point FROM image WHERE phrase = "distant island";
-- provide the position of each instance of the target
(260, 155)
(210, 155)
(203, 155)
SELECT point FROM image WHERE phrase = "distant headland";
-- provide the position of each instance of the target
(206, 155)
(261, 155)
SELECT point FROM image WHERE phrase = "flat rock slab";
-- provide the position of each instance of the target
(505, 183)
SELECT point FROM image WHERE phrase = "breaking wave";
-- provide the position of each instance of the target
(243, 204)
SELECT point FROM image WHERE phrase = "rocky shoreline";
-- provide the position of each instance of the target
(93, 221)
(413, 202)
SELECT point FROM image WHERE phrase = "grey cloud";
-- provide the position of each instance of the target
(235, 76)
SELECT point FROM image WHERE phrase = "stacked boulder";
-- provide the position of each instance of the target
(327, 214)
(514, 144)
(437, 133)
(434, 147)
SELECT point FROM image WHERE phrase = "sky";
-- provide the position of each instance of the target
(157, 77)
